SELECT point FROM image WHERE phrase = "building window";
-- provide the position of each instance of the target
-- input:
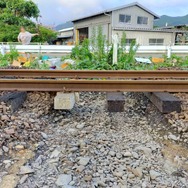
(156, 42)
(142, 20)
(124, 18)
(129, 41)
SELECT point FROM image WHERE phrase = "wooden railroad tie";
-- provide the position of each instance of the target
(165, 102)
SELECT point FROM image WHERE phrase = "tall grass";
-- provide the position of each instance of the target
(97, 53)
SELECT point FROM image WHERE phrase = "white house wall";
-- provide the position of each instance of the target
(111, 21)
(134, 12)
(105, 29)
(97, 20)
(66, 33)
(102, 20)
(142, 37)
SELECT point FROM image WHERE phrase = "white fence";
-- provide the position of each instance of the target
(62, 49)
(58, 49)
(163, 50)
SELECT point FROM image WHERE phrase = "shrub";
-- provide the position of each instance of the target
(97, 53)
(8, 58)
(82, 52)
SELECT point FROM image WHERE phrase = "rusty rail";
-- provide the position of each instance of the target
(83, 74)
(94, 85)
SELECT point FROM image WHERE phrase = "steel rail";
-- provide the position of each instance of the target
(94, 85)
(83, 74)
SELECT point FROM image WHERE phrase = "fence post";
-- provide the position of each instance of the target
(169, 51)
(2, 49)
(115, 48)
(40, 48)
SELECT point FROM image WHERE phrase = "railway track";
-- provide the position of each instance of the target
(134, 81)
(94, 85)
(83, 74)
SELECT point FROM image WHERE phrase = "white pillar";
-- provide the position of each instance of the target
(115, 41)
(169, 50)
(2, 49)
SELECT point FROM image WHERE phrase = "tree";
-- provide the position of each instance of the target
(22, 8)
(45, 34)
(8, 33)
(2, 4)
(16, 13)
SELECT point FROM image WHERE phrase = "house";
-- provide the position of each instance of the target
(134, 19)
(181, 37)
(65, 34)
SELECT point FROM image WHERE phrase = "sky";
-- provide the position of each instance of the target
(55, 12)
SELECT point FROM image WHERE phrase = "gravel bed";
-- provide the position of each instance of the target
(89, 147)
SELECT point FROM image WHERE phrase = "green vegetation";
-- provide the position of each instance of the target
(16, 13)
(175, 62)
(36, 65)
(8, 58)
(45, 34)
(3, 61)
(97, 54)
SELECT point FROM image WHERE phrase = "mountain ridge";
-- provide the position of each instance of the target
(171, 21)
(64, 26)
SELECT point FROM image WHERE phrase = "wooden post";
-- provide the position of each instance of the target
(115, 101)
(77, 36)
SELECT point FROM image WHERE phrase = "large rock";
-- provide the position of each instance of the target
(63, 180)
(80, 126)
(19, 147)
(55, 154)
(84, 161)
(5, 118)
(147, 151)
(137, 171)
(173, 137)
(127, 154)
(5, 149)
(154, 174)
(26, 170)
(23, 179)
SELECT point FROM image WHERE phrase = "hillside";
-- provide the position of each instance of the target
(64, 26)
(179, 20)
